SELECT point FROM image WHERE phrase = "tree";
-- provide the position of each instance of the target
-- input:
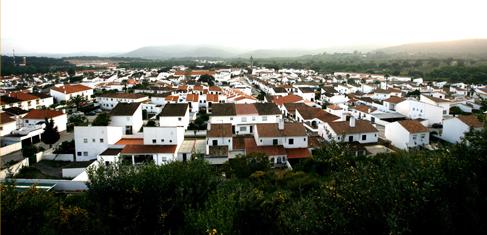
(77, 101)
(103, 119)
(208, 79)
(50, 135)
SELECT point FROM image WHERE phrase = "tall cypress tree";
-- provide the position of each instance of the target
(50, 135)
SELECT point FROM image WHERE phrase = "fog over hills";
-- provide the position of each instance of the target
(472, 47)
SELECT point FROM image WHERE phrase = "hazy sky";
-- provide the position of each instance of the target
(63, 26)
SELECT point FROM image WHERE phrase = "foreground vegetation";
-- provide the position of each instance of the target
(419, 192)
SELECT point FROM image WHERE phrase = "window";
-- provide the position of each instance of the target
(253, 118)
(244, 119)
(304, 139)
(93, 140)
(85, 154)
(26, 121)
(414, 137)
(291, 141)
(231, 118)
(170, 141)
(274, 142)
(85, 140)
(162, 140)
(243, 128)
(422, 136)
(101, 140)
(153, 141)
(79, 153)
(264, 118)
(364, 137)
(179, 119)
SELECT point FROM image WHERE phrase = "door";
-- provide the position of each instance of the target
(215, 142)
(274, 142)
(184, 157)
(128, 130)
(233, 129)
(350, 139)
(251, 129)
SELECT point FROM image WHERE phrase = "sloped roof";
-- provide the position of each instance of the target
(220, 130)
(287, 99)
(42, 114)
(125, 109)
(245, 109)
(267, 109)
(141, 148)
(413, 126)
(223, 110)
(5, 118)
(361, 126)
(394, 99)
(71, 88)
(471, 121)
(174, 110)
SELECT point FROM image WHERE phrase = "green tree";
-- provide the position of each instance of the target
(103, 119)
(50, 135)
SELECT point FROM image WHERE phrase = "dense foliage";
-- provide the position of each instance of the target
(335, 192)
(34, 65)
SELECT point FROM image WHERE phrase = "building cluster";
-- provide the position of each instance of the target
(285, 114)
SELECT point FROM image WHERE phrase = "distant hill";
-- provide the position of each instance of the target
(468, 47)
(177, 51)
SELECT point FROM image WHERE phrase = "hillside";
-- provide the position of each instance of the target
(177, 51)
(468, 47)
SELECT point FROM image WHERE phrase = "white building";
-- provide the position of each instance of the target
(66, 92)
(407, 134)
(90, 141)
(349, 131)
(109, 101)
(34, 116)
(128, 116)
(7, 124)
(454, 129)
(174, 115)
(414, 109)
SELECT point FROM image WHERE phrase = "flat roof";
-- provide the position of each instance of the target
(388, 115)
(190, 146)
(27, 186)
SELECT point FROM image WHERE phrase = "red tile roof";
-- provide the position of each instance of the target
(212, 98)
(413, 126)
(245, 109)
(42, 114)
(127, 141)
(287, 99)
(394, 100)
(214, 88)
(23, 96)
(140, 148)
(268, 150)
(192, 97)
(123, 96)
(71, 88)
(293, 153)
(471, 121)
(5, 118)
(364, 108)
(361, 126)
(220, 130)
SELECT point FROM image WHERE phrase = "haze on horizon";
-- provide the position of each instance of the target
(59, 26)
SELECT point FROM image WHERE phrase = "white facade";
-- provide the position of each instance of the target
(401, 138)
(164, 135)
(59, 121)
(60, 96)
(108, 103)
(454, 130)
(90, 141)
(7, 128)
(419, 110)
(131, 124)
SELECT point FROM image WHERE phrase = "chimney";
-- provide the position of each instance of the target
(280, 124)
(352, 121)
(209, 126)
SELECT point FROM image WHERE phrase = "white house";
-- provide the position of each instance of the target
(34, 116)
(407, 134)
(109, 101)
(361, 131)
(128, 116)
(90, 141)
(444, 104)
(414, 109)
(66, 92)
(454, 129)
(174, 115)
(7, 124)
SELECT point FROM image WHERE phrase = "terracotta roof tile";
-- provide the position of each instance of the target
(140, 148)
(192, 97)
(5, 118)
(287, 99)
(394, 99)
(212, 98)
(413, 126)
(133, 141)
(361, 126)
(294, 153)
(245, 109)
(471, 121)
(71, 88)
(220, 130)
(42, 114)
